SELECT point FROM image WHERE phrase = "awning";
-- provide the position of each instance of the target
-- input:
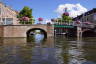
(63, 26)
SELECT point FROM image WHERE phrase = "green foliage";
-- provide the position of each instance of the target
(66, 18)
(59, 19)
(24, 22)
(26, 12)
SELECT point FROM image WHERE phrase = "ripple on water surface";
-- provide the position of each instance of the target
(58, 51)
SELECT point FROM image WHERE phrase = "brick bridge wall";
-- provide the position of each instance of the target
(20, 30)
(1, 31)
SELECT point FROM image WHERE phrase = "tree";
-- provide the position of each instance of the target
(59, 20)
(66, 18)
(25, 16)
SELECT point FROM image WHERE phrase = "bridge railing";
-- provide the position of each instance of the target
(88, 26)
(85, 25)
(23, 24)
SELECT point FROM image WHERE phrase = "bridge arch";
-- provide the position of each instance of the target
(89, 33)
(32, 29)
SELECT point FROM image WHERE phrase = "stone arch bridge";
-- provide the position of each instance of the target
(22, 30)
(86, 31)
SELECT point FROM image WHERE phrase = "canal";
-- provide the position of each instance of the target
(58, 50)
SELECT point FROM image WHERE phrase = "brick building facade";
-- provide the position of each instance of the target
(7, 15)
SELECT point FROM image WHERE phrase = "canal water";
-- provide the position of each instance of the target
(58, 50)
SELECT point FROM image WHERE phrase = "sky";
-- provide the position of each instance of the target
(48, 9)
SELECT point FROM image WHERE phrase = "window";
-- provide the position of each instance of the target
(7, 21)
(94, 17)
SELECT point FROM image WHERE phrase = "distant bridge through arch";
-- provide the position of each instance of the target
(33, 29)
(89, 32)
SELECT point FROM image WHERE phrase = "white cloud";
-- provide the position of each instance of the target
(48, 21)
(73, 9)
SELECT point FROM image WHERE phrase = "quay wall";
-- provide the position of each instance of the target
(1, 31)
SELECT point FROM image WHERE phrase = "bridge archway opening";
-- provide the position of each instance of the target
(36, 32)
(89, 33)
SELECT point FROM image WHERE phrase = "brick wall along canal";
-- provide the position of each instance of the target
(60, 50)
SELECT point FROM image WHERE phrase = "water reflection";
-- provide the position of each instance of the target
(36, 38)
(76, 52)
(60, 50)
(12, 41)
(39, 38)
(72, 51)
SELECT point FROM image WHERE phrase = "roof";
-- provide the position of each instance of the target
(85, 14)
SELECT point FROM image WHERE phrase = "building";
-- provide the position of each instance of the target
(89, 16)
(7, 15)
